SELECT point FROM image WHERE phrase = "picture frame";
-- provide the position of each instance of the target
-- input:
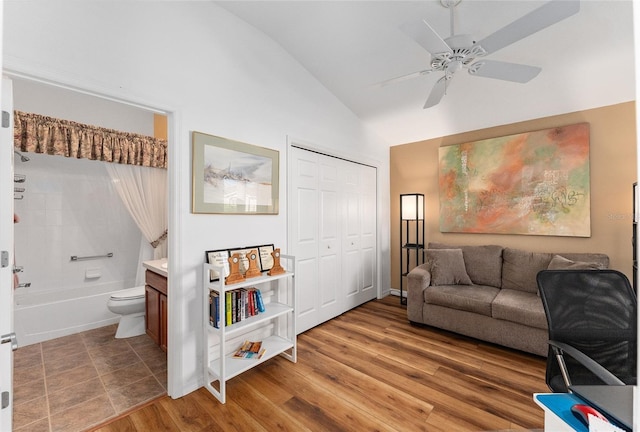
(244, 261)
(232, 177)
(266, 259)
(219, 257)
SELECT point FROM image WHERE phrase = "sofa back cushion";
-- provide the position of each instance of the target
(520, 268)
(559, 262)
(483, 263)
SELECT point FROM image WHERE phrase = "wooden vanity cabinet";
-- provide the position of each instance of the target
(156, 308)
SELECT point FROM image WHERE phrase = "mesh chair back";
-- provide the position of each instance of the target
(595, 312)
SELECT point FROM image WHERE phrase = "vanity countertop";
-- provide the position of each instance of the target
(158, 266)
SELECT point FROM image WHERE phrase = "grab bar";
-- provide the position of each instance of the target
(77, 258)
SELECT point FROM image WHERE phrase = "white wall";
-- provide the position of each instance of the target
(39, 98)
(214, 74)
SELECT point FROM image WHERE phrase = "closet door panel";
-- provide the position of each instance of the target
(368, 238)
(329, 248)
(329, 251)
(352, 274)
(306, 298)
(351, 247)
(303, 233)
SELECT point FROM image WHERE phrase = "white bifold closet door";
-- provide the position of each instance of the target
(332, 233)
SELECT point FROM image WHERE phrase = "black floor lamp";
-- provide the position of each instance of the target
(411, 236)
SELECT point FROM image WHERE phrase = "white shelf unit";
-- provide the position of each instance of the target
(275, 327)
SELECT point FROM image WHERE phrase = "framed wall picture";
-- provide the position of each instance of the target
(531, 183)
(233, 177)
(219, 258)
(266, 259)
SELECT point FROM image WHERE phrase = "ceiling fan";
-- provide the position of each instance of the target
(460, 51)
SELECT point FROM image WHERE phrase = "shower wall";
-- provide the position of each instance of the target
(69, 207)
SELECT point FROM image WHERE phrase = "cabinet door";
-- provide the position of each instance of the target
(152, 315)
(163, 322)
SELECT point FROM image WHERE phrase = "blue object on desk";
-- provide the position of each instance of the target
(560, 404)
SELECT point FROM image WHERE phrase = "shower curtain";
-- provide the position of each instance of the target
(143, 191)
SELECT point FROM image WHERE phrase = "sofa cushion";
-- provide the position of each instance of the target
(483, 263)
(598, 258)
(470, 298)
(447, 267)
(520, 307)
(520, 268)
(559, 262)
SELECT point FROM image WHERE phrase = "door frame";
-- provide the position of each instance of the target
(6, 269)
(175, 385)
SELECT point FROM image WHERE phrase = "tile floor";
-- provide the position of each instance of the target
(72, 383)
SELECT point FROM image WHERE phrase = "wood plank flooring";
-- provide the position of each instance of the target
(366, 370)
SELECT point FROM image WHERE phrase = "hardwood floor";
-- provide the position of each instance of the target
(366, 370)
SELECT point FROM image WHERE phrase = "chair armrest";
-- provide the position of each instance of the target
(597, 369)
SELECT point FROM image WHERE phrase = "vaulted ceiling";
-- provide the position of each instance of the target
(587, 60)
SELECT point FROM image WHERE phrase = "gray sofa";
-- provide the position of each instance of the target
(488, 292)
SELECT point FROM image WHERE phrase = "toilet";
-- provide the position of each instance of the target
(129, 304)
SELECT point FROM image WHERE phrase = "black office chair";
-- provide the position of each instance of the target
(592, 327)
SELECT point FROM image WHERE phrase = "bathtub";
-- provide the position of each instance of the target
(39, 317)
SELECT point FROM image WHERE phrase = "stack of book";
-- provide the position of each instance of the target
(250, 350)
(241, 303)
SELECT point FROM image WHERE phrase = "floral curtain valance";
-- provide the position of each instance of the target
(41, 134)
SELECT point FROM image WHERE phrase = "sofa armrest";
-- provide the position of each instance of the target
(418, 280)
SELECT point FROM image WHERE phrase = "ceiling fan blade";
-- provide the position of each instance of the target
(402, 78)
(437, 92)
(421, 32)
(504, 71)
(546, 15)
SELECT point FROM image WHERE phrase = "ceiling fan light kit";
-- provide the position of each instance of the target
(461, 51)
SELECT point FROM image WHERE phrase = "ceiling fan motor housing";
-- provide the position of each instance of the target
(463, 52)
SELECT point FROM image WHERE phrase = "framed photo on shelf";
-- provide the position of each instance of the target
(244, 261)
(233, 177)
(220, 258)
(266, 259)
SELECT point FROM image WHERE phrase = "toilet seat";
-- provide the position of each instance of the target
(128, 294)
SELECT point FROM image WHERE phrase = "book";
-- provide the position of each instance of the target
(228, 307)
(214, 309)
(259, 302)
(251, 298)
(250, 350)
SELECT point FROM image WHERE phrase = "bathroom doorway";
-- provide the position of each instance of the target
(54, 101)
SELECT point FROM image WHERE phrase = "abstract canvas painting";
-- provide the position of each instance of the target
(534, 183)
